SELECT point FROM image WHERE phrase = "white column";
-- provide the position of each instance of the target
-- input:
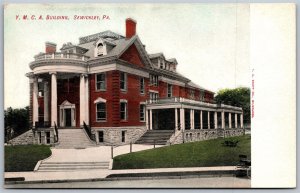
(46, 102)
(208, 120)
(216, 120)
(176, 119)
(182, 119)
(35, 104)
(192, 119)
(87, 118)
(235, 120)
(242, 121)
(82, 99)
(223, 119)
(53, 99)
(151, 126)
(147, 119)
(229, 117)
(201, 120)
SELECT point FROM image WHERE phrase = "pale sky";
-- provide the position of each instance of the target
(209, 41)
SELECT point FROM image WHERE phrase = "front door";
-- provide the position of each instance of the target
(68, 118)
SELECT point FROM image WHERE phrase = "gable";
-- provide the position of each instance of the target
(132, 56)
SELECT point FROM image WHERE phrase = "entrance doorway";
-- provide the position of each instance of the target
(67, 114)
(68, 119)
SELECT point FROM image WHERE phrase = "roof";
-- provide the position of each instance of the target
(104, 34)
(172, 60)
(155, 55)
(192, 84)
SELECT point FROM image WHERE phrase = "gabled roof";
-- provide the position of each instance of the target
(172, 60)
(194, 85)
(156, 55)
(104, 34)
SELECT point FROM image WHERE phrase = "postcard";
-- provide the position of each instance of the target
(150, 95)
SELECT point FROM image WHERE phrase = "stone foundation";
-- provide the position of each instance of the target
(113, 135)
(206, 134)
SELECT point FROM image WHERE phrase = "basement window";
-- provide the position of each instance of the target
(123, 136)
(101, 136)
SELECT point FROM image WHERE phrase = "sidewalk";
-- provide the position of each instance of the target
(92, 175)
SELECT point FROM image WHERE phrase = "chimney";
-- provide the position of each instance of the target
(50, 47)
(130, 27)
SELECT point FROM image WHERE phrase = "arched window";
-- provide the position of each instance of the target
(100, 49)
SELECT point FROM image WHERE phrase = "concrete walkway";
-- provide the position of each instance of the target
(100, 174)
(92, 154)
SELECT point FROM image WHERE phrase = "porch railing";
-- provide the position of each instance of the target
(59, 55)
(88, 130)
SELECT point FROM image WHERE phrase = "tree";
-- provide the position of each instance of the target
(16, 122)
(236, 97)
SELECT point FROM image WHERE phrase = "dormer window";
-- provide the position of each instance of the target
(100, 49)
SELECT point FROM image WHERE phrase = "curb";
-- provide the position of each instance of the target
(139, 176)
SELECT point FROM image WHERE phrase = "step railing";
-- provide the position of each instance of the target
(88, 130)
(56, 133)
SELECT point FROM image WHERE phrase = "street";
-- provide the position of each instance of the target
(209, 182)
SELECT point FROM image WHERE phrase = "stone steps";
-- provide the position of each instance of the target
(73, 138)
(159, 137)
(71, 166)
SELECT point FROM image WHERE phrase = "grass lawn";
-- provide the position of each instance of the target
(196, 154)
(24, 157)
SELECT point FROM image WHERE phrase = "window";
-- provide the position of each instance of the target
(40, 137)
(100, 81)
(142, 85)
(100, 49)
(48, 137)
(101, 136)
(169, 90)
(153, 96)
(201, 95)
(101, 111)
(142, 112)
(123, 110)
(192, 93)
(154, 80)
(123, 81)
(123, 136)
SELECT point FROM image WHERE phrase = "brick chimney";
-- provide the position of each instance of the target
(50, 47)
(130, 27)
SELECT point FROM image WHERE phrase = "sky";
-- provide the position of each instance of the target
(209, 41)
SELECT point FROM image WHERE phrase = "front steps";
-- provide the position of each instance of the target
(71, 166)
(159, 137)
(73, 139)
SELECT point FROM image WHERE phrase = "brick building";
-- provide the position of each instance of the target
(110, 86)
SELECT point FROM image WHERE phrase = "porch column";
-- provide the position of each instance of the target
(229, 117)
(176, 119)
(223, 119)
(87, 118)
(201, 122)
(53, 98)
(235, 120)
(216, 119)
(82, 106)
(192, 118)
(35, 104)
(46, 102)
(208, 119)
(242, 121)
(151, 119)
(147, 118)
(182, 119)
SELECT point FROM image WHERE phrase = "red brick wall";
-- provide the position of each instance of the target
(50, 49)
(163, 89)
(131, 55)
(113, 96)
(72, 96)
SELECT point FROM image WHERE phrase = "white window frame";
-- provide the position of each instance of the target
(142, 85)
(125, 81)
(142, 110)
(169, 92)
(126, 110)
(101, 120)
(96, 75)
